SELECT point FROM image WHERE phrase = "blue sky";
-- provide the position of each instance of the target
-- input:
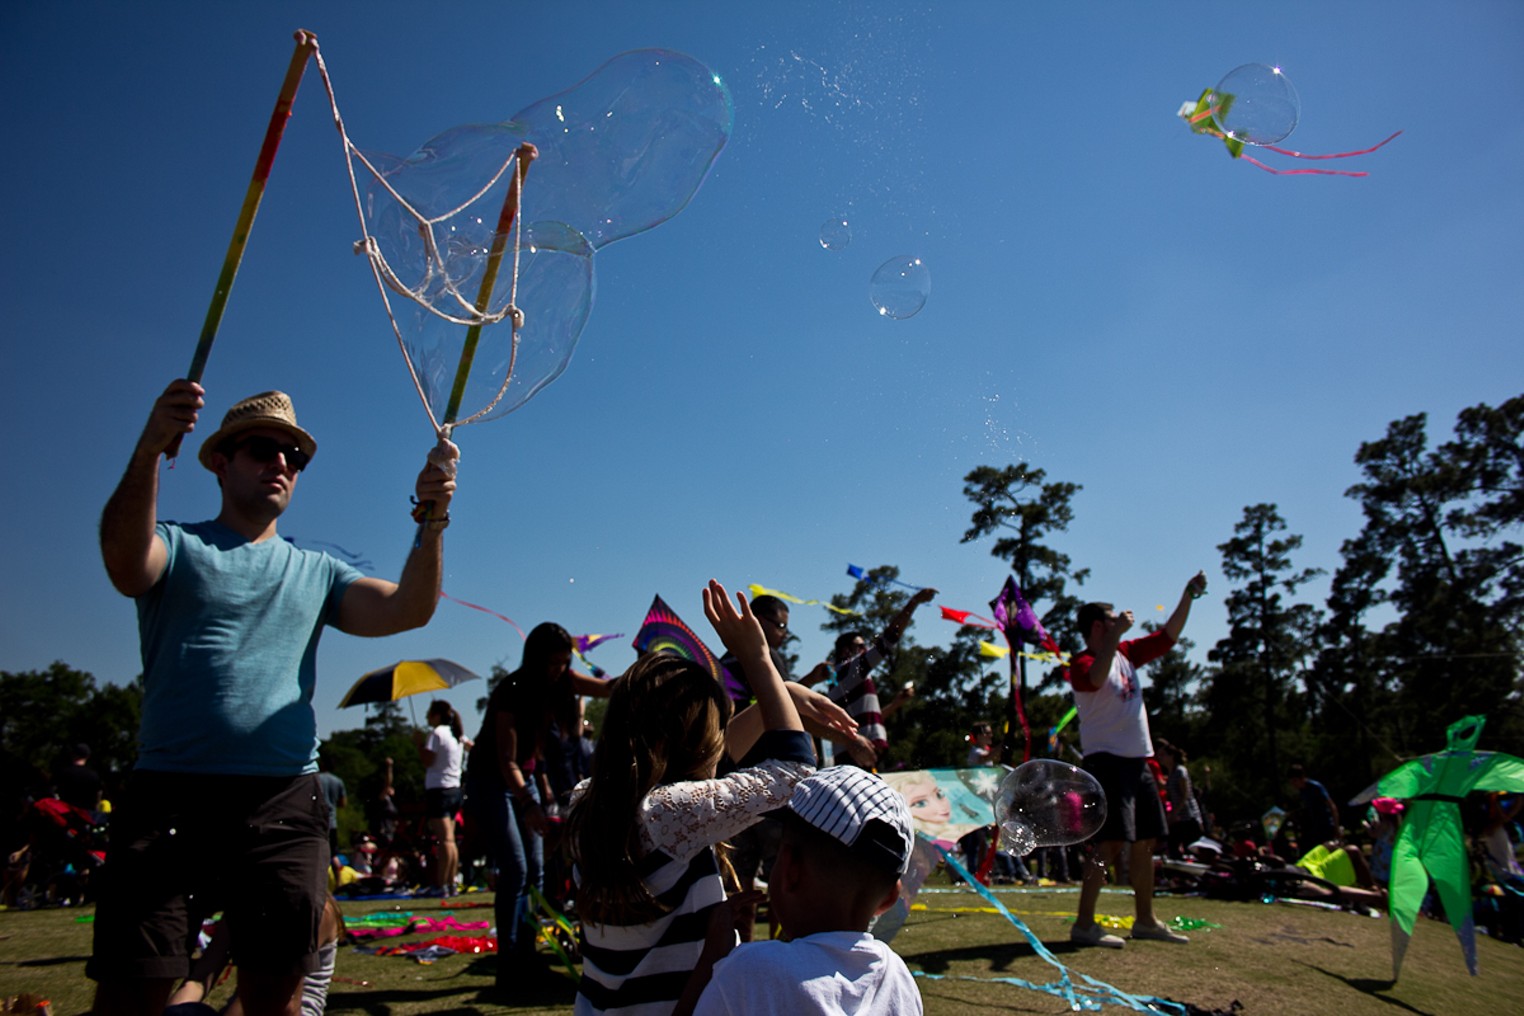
(1114, 300)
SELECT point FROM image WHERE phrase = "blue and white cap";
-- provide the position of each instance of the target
(859, 809)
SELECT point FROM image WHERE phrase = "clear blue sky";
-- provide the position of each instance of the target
(1114, 300)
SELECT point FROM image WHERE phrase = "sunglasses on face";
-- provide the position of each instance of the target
(264, 449)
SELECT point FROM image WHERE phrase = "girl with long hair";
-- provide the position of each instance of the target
(643, 829)
(443, 755)
(505, 787)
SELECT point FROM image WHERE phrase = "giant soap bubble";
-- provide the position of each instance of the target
(1047, 803)
(900, 286)
(621, 152)
(1256, 104)
(628, 146)
(456, 182)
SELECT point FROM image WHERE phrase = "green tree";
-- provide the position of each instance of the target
(44, 712)
(1021, 510)
(358, 757)
(954, 690)
(1447, 521)
(1173, 684)
(1268, 644)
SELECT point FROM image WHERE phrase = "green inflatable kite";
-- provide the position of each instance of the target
(1430, 845)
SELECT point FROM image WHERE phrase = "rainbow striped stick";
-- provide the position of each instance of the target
(306, 45)
(525, 155)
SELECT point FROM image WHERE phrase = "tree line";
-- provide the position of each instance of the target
(1421, 625)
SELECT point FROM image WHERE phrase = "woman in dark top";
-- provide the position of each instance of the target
(505, 782)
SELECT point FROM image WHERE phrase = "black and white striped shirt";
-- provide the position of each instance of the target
(640, 969)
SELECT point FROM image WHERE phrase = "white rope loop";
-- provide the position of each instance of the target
(387, 278)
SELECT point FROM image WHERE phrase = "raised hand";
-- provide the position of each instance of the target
(818, 713)
(174, 415)
(735, 624)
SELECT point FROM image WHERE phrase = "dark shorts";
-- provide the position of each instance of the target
(186, 846)
(1134, 810)
(441, 802)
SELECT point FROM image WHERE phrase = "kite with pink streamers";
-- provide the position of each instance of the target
(1256, 105)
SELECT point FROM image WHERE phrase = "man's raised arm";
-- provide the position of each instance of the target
(1182, 612)
(134, 555)
(375, 607)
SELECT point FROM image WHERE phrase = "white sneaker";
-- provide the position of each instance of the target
(1094, 935)
(1158, 933)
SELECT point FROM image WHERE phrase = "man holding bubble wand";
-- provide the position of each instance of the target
(1115, 739)
(230, 616)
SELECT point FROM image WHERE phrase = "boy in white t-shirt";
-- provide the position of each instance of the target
(846, 841)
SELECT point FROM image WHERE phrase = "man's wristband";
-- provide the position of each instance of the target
(421, 515)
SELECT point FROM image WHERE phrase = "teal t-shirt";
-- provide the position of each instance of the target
(230, 635)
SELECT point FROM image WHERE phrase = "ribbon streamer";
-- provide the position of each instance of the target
(760, 590)
(1090, 996)
(476, 606)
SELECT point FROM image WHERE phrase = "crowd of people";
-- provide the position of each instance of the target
(231, 807)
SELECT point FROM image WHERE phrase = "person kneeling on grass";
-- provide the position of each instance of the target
(846, 842)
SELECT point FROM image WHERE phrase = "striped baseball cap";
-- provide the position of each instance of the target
(859, 809)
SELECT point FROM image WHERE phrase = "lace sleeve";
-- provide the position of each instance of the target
(681, 819)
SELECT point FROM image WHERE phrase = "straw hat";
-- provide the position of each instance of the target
(267, 409)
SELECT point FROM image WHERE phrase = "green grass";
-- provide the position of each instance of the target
(1275, 959)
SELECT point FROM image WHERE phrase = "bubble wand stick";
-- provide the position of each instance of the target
(526, 154)
(306, 45)
(423, 511)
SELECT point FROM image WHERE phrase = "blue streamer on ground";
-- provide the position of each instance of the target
(1092, 995)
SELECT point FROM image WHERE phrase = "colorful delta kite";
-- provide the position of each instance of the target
(1015, 617)
(1256, 105)
(1017, 621)
(1430, 845)
(664, 632)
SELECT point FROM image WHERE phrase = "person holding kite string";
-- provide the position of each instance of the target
(854, 689)
(1115, 741)
(223, 808)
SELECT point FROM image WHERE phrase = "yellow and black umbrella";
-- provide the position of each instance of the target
(408, 677)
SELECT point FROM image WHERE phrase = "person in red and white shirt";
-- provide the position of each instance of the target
(1116, 743)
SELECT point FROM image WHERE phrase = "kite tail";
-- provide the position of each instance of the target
(476, 606)
(1335, 155)
(1298, 172)
(1400, 940)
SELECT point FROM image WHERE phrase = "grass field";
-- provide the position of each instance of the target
(1273, 959)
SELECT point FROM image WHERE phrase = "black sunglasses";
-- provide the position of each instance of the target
(264, 449)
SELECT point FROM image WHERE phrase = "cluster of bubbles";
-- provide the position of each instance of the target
(620, 152)
(1047, 803)
(1256, 104)
(898, 288)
